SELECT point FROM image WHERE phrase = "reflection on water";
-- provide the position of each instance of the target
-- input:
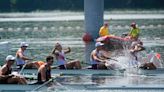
(83, 82)
(105, 80)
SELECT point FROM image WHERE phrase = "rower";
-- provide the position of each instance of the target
(135, 48)
(5, 73)
(22, 59)
(97, 60)
(44, 71)
(59, 53)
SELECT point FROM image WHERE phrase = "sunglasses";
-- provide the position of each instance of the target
(12, 60)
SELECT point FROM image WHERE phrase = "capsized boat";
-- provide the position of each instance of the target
(115, 42)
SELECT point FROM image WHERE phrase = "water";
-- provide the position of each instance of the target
(43, 30)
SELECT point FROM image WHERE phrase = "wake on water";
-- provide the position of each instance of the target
(128, 61)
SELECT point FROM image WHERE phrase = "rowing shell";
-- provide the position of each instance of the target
(129, 88)
(145, 71)
(92, 87)
(19, 87)
(78, 72)
(30, 88)
(99, 72)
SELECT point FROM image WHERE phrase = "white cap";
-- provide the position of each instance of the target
(10, 57)
(99, 44)
(24, 44)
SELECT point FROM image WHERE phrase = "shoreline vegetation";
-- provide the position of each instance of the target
(76, 5)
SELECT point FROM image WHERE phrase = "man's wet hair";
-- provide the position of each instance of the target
(49, 58)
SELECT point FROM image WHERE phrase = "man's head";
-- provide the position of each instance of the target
(50, 60)
(106, 24)
(24, 45)
(133, 24)
(99, 45)
(10, 59)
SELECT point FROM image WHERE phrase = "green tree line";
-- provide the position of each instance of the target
(75, 5)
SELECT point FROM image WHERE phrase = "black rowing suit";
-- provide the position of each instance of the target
(48, 75)
(3, 80)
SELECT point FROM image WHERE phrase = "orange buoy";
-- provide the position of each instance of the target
(87, 38)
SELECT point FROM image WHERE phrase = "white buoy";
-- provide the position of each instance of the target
(18, 29)
(69, 28)
(126, 27)
(27, 29)
(52, 28)
(142, 27)
(10, 29)
(61, 28)
(159, 25)
(151, 26)
(35, 28)
(157, 38)
(44, 28)
(1, 29)
(143, 38)
(77, 27)
(119, 27)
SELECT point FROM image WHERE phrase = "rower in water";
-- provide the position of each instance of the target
(44, 71)
(97, 59)
(59, 53)
(101, 58)
(5, 73)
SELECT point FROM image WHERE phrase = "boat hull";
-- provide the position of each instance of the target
(18, 87)
(78, 72)
(98, 72)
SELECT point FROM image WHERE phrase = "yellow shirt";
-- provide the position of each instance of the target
(104, 31)
(134, 32)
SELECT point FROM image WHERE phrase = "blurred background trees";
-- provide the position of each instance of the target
(74, 5)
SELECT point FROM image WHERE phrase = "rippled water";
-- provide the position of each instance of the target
(42, 33)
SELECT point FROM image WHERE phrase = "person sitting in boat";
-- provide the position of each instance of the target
(44, 71)
(97, 59)
(5, 73)
(136, 46)
(59, 53)
(151, 61)
(22, 59)
(104, 30)
(134, 32)
(100, 58)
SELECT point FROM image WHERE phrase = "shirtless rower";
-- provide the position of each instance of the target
(5, 73)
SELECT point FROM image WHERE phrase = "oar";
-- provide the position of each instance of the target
(22, 68)
(80, 62)
(69, 58)
(45, 83)
(25, 66)
(113, 59)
